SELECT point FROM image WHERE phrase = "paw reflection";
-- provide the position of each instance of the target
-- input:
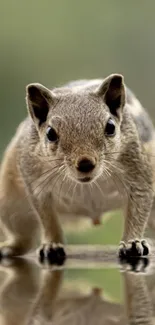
(135, 264)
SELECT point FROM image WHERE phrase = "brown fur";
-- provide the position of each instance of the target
(39, 180)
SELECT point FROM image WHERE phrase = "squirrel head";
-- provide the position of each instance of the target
(79, 126)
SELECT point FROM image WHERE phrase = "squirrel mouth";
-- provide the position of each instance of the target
(85, 179)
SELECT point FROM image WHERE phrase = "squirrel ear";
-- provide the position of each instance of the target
(39, 100)
(113, 91)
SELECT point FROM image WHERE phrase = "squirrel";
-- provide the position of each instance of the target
(85, 148)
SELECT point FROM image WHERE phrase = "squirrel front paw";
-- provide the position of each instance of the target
(53, 253)
(133, 248)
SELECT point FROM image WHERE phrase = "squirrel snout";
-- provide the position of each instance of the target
(85, 165)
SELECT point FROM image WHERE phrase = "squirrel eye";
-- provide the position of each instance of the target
(51, 134)
(110, 128)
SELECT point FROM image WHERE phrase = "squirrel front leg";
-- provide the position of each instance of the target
(140, 199)
(52, 234)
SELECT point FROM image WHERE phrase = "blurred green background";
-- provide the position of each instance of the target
(55, 41)
(52, 42)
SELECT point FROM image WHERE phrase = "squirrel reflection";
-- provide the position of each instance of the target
(138, 298)
(18, 289)
(72, 308)
(34, 296)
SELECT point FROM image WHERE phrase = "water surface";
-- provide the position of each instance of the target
(92, 287)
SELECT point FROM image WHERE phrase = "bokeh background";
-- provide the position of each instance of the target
(52, 42)
(55, 41)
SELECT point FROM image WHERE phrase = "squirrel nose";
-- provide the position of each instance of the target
(85, 165)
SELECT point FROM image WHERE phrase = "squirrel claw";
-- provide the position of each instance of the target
(53, 253)
(134, 248)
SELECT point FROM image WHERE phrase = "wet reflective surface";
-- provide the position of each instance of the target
(91, 288)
